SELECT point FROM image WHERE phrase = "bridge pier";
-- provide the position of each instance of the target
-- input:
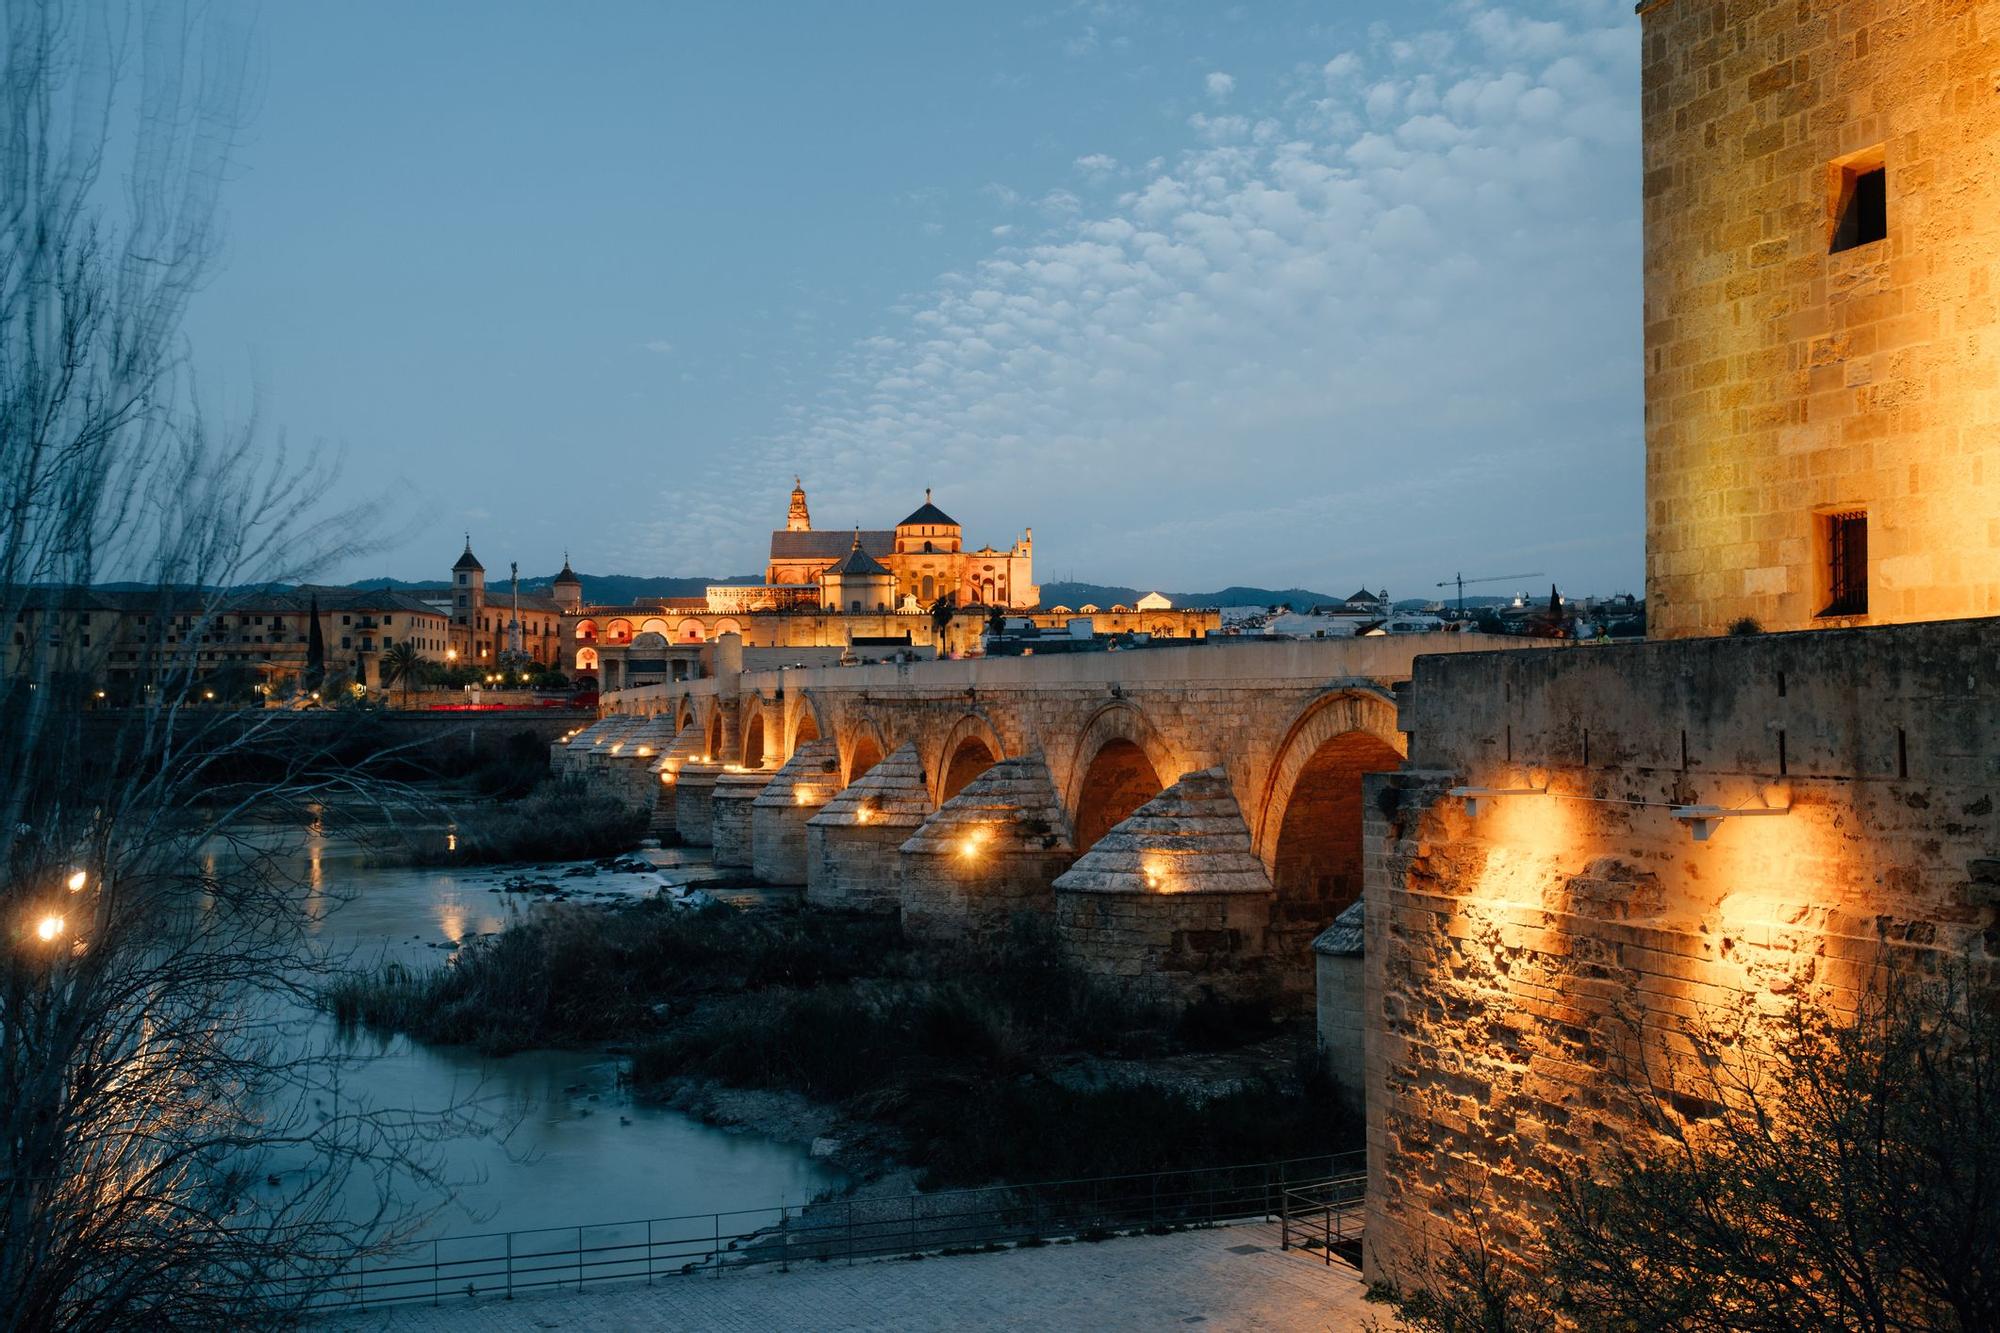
(1172, 903)
(989, 852)
(694, 812)
(778, 817)
(729, 815)
(852, 845)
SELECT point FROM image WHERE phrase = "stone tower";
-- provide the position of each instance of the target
(568, 588)
(468, 590)
(1822, 321)
(798, 518)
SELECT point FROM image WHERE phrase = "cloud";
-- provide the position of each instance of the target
(659, 345)
(1220, 86)
(1372, 333)
(1096, 165)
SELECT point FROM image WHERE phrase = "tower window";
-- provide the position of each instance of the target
(1846, 546)
(1860, 201)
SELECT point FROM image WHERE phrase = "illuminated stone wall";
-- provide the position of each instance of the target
(1785, 382)
(1513, 957)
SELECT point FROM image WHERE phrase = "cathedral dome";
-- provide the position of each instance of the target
(929, 516)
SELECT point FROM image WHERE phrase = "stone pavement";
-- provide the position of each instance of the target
(1232, 1277)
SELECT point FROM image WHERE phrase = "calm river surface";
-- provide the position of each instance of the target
(576, 1149)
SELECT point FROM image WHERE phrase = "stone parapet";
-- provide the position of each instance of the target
(1646, 843)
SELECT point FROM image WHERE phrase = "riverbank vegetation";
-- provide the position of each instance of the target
(1008, 1065)
(555, 821)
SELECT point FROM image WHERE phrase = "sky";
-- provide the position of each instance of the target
(1285, 294)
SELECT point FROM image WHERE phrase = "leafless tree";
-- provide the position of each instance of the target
(167, 1154)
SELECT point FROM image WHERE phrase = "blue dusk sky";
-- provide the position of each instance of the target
(1287, 294)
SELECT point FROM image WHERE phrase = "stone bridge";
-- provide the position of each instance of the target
(1190, 817)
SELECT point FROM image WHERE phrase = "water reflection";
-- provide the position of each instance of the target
(570, 1146)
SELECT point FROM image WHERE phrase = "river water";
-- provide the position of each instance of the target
(569, 1146)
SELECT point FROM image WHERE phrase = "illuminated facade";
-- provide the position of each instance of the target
(1597, 856)
(1822, 208)
(925, 554)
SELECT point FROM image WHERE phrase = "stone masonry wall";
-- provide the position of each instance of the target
(1784, 381)
(1514, 959)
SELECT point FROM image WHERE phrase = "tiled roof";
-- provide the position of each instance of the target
(829, 545)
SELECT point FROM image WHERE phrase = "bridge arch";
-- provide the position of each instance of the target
(711, 749)
(864, 748)
(683, 713)
(970, 748)
(758, 741)
(1310, 817)
(1119, 763)
(807, 722)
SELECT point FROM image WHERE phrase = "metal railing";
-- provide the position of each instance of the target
(840, 1230)
(1324, 1215)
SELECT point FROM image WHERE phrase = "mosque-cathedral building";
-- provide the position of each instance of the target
(830, 595)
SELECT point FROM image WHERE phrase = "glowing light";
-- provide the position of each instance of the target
(77, 879)
(803, 795)
(1704, 820)
(451, 842)
(49, 927)
(974, 841)
(862, 814)
(645, 751)
(210, 694)
(667, 776)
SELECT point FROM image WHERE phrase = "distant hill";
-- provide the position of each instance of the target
(1104, 594)
(625, 589)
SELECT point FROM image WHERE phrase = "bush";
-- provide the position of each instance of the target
(576, 974)
(557, 821)
(1846, 1176)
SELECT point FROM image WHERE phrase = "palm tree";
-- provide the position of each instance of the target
(401, 662)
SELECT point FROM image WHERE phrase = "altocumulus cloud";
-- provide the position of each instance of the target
(1380, 328)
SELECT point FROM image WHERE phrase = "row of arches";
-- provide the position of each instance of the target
(621, 630)
(1309, 814)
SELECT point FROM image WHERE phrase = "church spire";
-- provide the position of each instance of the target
(799, 519)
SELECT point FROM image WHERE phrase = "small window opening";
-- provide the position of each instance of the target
(1863, 207)
(1847, 564)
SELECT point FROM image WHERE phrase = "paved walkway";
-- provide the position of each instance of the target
(1232, 1277)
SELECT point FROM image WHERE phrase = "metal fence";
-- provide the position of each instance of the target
(1325, 1215)
(840, 1230)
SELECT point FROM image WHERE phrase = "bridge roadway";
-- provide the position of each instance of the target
(1190, 815)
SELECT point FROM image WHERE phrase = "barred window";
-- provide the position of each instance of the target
(1846, 545)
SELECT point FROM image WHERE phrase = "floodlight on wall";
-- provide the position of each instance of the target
(1704, 820)
(1474, 797)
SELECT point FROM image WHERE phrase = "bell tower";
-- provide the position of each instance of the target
(798, 518)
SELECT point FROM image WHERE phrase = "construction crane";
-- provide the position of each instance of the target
(1460, 580)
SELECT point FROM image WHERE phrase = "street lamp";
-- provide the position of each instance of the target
(49, 927)
(77, 879)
